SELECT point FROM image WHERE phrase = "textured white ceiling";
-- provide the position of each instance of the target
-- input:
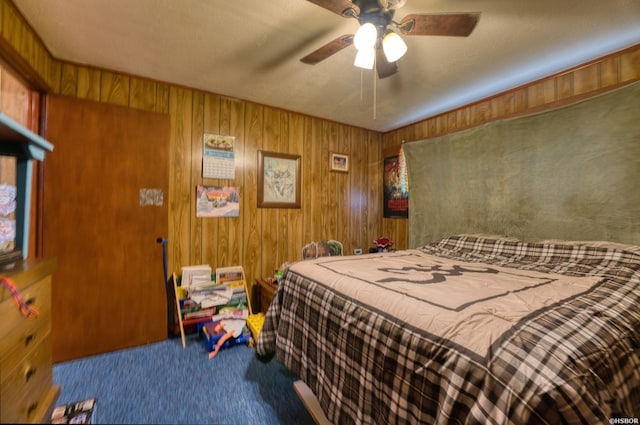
(250, 49)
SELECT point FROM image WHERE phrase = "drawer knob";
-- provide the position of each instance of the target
(29, 338)
(29, 373)
(32, 407)
(26, 307)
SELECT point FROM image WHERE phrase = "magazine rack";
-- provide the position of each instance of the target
(254, 320)
(233, 277)
(178, 309)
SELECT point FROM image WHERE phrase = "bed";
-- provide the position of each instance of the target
(466, 330)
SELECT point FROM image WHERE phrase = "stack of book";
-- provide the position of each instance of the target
(79, 412)
(232, 279)
(210, 294)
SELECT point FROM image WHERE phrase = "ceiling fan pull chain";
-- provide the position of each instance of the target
(375, 94)
(361, 85)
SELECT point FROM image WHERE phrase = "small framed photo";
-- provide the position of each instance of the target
(339, 162)
(278, 180)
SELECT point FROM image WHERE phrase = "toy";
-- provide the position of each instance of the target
(224, 333)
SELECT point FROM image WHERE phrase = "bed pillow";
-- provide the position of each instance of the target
(598, 244)
(491, 236)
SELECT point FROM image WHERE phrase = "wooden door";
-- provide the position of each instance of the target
(109, 291)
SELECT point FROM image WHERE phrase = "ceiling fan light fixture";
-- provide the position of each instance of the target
(365, 37)
(393, 46)
(365, 58)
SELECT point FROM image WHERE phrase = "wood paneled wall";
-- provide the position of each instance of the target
(342, 206)
(578, 83)
(346, 207)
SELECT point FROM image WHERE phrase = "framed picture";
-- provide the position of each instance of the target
(396, 196)
(339, 162)
(217, 201)
(278, 180)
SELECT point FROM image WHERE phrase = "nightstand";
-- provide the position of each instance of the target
(267, 291)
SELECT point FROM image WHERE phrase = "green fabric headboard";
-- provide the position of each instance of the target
(569, 173)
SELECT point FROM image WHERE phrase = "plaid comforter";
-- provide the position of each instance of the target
(576, 360)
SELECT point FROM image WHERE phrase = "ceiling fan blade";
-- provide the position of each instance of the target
(451, 24)
(383, 66)
(328, 49)
(341, 7)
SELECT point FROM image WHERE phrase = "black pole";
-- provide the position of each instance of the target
(163, 241)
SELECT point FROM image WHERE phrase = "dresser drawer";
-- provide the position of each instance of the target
(25, 387)
(17, 344)
(37, 295)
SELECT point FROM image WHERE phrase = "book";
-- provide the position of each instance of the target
(199, 314)
(78, 412)
(213, 331)
(200, 272)
(216, 299)
(229, 274)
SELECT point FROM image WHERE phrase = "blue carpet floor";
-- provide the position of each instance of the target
(162, 383)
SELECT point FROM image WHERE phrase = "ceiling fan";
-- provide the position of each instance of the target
(375, 42)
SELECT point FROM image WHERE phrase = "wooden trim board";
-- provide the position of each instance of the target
(310, 403)
(175, 291)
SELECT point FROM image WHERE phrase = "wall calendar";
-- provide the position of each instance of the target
(218, 157)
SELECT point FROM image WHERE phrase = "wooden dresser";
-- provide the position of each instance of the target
(27, 393)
